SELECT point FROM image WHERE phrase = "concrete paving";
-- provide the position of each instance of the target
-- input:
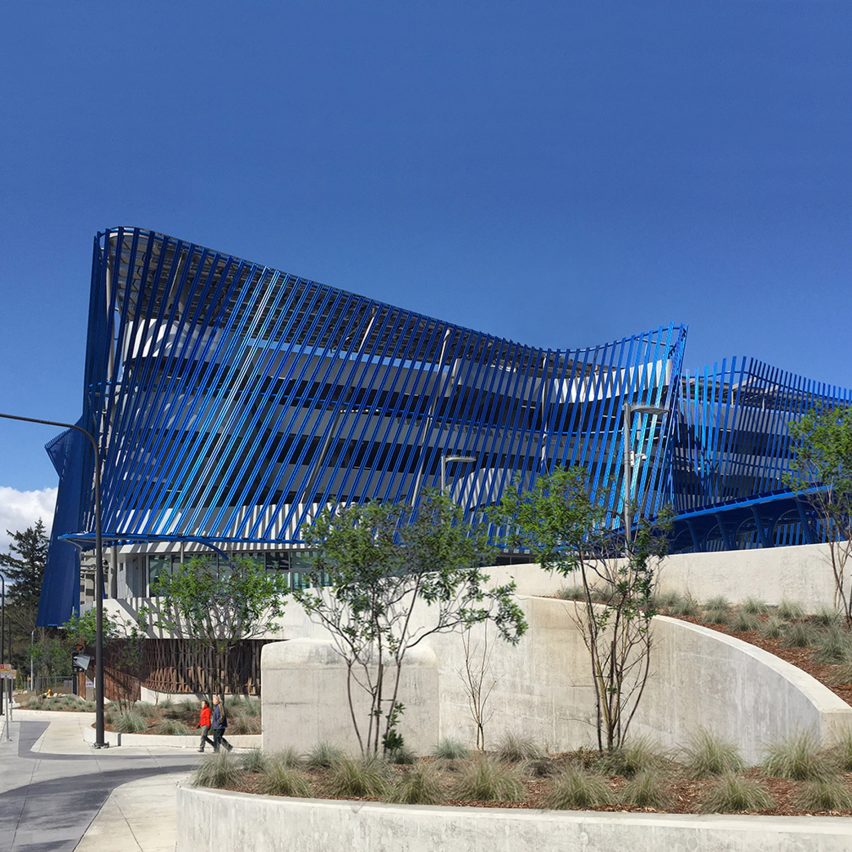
(55, 790)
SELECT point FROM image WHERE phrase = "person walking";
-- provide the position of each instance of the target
(220, 722)
(204, 724)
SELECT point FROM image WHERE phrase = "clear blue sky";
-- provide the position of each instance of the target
(561, 174)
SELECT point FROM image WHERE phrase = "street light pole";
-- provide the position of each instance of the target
(628, 410)
(444, 460)
(99, 571)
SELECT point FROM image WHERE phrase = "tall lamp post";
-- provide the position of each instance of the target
(444, 460)
(628, 410)
(99, 571)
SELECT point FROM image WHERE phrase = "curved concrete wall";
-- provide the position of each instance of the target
(542, 689)
(209, 819)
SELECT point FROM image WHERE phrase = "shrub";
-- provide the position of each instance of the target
(772, 628)
(646, 789)
(172, 728)
(516, 749)
(832, 645)
(828, 795)
(419, 786)
(745, 622)
(485, 780)
(254, 760)
(754, 606)
(798, 634)
(281, 780)
(450, 749)
(733, 794)
(707, 754)
(358, 777)
(797, 758)
(687, 605)
(638, 755)
(542, 767)
(826, 617)
(577, 788)
(402, 756)
(218, 770)
(129, 722)
(788, 610)
(323, 756)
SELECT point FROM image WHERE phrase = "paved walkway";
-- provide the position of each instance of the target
(57, 793)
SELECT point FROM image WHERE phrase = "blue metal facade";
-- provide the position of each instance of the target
(233, 400)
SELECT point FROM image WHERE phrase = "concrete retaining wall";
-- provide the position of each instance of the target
(542, 689)
(160, 740)
(210, 819)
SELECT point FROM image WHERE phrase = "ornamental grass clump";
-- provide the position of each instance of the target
(686, 606)
(826, 617)
(254, 760)
(359, 777)
(841, 751)
(219, 770)
(798, 758)
(744, 622)
(129, 722)
(323, 756)
(800, 634)
(841, 675)
(576, 788)
(278, 779)
(171, 728)
(486, 780)
(450, 749)
(772, 628)
(646, 789)
(640, 754)
(789, 610)
(516, 749)
(754, 606)
(833, 645)
(735, 794)
(707, 754)
(831, 794)
(421, 785)
(717, 610)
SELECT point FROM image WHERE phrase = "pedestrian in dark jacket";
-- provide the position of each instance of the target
(204, 725)
(219, 723)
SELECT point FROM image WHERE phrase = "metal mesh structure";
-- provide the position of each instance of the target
(232, 401)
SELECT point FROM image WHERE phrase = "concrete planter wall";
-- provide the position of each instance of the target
(212, 819)
(161, 740)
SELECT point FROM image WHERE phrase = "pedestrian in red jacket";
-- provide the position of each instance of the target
(204, 724)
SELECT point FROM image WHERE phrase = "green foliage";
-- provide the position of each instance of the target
(279, 779)
(798, 758)
(687, 606)
(790, 610)
(483, 779)
(382, 559)
(800, 634)
(744, 622)
(367, 776)
(514, 748)
(772, 628)
(24, 564)
(719, 602)
(219, 605)
(831, 794)
(708, 754)
(639, 755)
(754, 606)
(421, 785)
(646, 789)
(171, 728)
(841, 751)
(450, 749)
(734, 794)
(717, 610)
(219, 771)
(826, 617)
(129, 722)
(242, 724)
(833, 645)
(841, 674)
(290, 757)
(576, 788)
(254, 760)
(323, 756)
(566, 531)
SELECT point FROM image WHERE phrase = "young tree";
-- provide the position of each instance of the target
(565, 531)
(477, 679)
(24, 564)
(217, 606)
(822, 472)
(383, 562)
